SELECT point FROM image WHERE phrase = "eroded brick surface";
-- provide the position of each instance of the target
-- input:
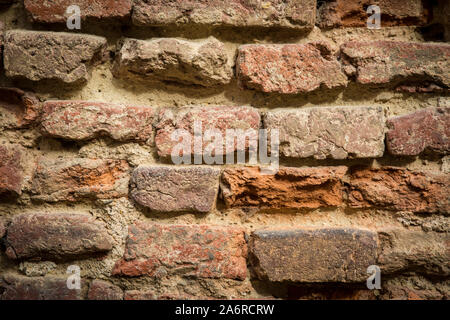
(203, 63)
(102, 290)
(55, 236)
(329, 132)
(213, 118)
(273, 13)
(288, 188)
(395, 188)
(11, 169)
(83, 120)
(289, 68)
(74, 179)
(191, 250)
(316, 255)
(397, 63)
(55, 11)
(175, 189)
(18, 108)
(36, 55)
(423, 130)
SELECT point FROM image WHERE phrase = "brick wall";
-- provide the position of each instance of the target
(87, 119)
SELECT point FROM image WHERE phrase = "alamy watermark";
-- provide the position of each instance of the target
(374, 281)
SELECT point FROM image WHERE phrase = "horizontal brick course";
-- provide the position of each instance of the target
(203, 63)
(329, 132)
(84, 120)
(55, 236)
(201, 251)
(313, 255)
(36, 55)
(175, 189)
(289, 68)
(78, 178)
(423, 130)
(294, 14)
(102, 290)
(55, 12)
(288, 188)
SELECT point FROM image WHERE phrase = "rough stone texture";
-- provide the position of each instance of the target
(201, 251)
(175, 189)
(424, 130)
(352, 13)
(289, 68)
(55, 236)
(83, 120)
(329, 132)
(2, 228)
(399, 63)
(414, 288)
(221, 118)
(11, 170)
(399, 189)
(17, 108)
(317, 255)
(57, 56)
(414, 251)
(288, 188)
(102, 290)
(14, 287)
(295, 14)
(55, 11)
(74, 179)
(203, 63)
(139, 295)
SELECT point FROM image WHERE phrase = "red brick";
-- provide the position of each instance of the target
(83, 120)
(200, 251)
(102, 290)
(175, 189)
(36, 56)
(55, 236)
(78, 178)
(14, 287)
(55, 11)
(352, 13)
(221, 118)
(313, 255)
(204, 63)
(423, 130)
(11, 170)
(139, 295)
(289, 68)
(397, 63)
(288, 188)
(19, 108)
(294, 14)
(329, 132)
(401, 189)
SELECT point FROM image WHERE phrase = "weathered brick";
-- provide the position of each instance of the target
(2, 228)
(398, 63)
(296, 14)
(395, 188)
(313, 255)
(329, 132)
(14, 287)
(352, 13)
(423, 130)
(55, 56)
(190, 250)
(203, 63)
(74, 179)
(55, 236)
(11, 170)
(288, 188)
(221, 118)
(55, 11)
(414, 288)
(414, 251)
(289, 68)
(139, 295)
(18, 108)
(83, 120)
(175, 189)
(102, 290)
